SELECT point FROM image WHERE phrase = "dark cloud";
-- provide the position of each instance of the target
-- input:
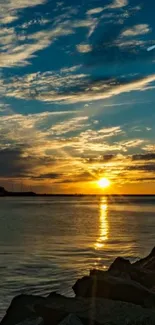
(104, 158)
(145, 179)
(14, 164)
(11, 163)
(148, 156)
(145, 167)
(81, 177)
(48, 176)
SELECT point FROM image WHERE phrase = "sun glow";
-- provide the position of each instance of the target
(104, 182)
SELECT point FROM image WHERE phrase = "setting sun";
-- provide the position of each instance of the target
(104, 182)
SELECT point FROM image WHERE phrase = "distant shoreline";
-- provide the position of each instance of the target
(26, 194)
(5, 193)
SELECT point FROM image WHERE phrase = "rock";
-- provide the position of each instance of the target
(90, 311)
(59, 316)
(21, 309)
(71, 319)
(82, 286)
(32, 321)
(50, 315)
(120, 264)
(113, 297)
(124, 269)
(104, 285)
(99, 310)
(147, 262)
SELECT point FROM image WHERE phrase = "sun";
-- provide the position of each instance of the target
(104, 182)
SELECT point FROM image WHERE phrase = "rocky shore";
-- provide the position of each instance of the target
(122, 295)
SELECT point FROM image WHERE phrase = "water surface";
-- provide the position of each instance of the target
(47, 243)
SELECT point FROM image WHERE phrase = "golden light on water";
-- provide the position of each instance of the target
(103, 224)
(104, 182)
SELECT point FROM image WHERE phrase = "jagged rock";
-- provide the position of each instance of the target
(32, 321)
(120, 264)
(147, 262)
(71, 319)
(21, 309)
(98, 310)
(89, 311)
(50, 315)
(82, 286)
(124, 269)
(108, 297)
(104, 285)
(59, 316)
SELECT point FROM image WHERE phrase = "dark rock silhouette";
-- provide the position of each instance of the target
(115, 288)
(124, 294)
(148, 262)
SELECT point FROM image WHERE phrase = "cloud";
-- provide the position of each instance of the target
(95, 11)
(118, 4)
(70, 69)
(5, 108)
(149, 147)
(136, 30)
(122, 42)
(115, 4)
(84, 48)
(12, 164)
(149, 156)
(75, 88)
(42, 148)
(145, 167)
(10, 9)
(15, 53)
(20, 45)
(72, 125)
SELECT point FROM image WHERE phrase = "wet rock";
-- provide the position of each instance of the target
(104, 285)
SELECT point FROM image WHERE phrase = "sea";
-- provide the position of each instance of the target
(47, 243)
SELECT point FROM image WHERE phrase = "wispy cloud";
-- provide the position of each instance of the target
(136, 30)
(95, 11)
(10, 9)
(118, 4)
(74, 88)
(15, 53)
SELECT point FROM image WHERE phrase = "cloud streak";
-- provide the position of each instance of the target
(74, 88)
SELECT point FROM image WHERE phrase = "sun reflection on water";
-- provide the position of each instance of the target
(103, 224)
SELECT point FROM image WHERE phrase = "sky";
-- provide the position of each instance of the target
(77, 96)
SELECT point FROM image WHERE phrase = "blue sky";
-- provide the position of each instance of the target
(77, 95)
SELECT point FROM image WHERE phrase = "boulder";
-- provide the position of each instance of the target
(147, 262)
(50, 315)
(124, 269)
(104, 285)
(21, 309)
(96, 311)
(56, 316)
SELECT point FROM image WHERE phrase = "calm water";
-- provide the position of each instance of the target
(47, 243)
